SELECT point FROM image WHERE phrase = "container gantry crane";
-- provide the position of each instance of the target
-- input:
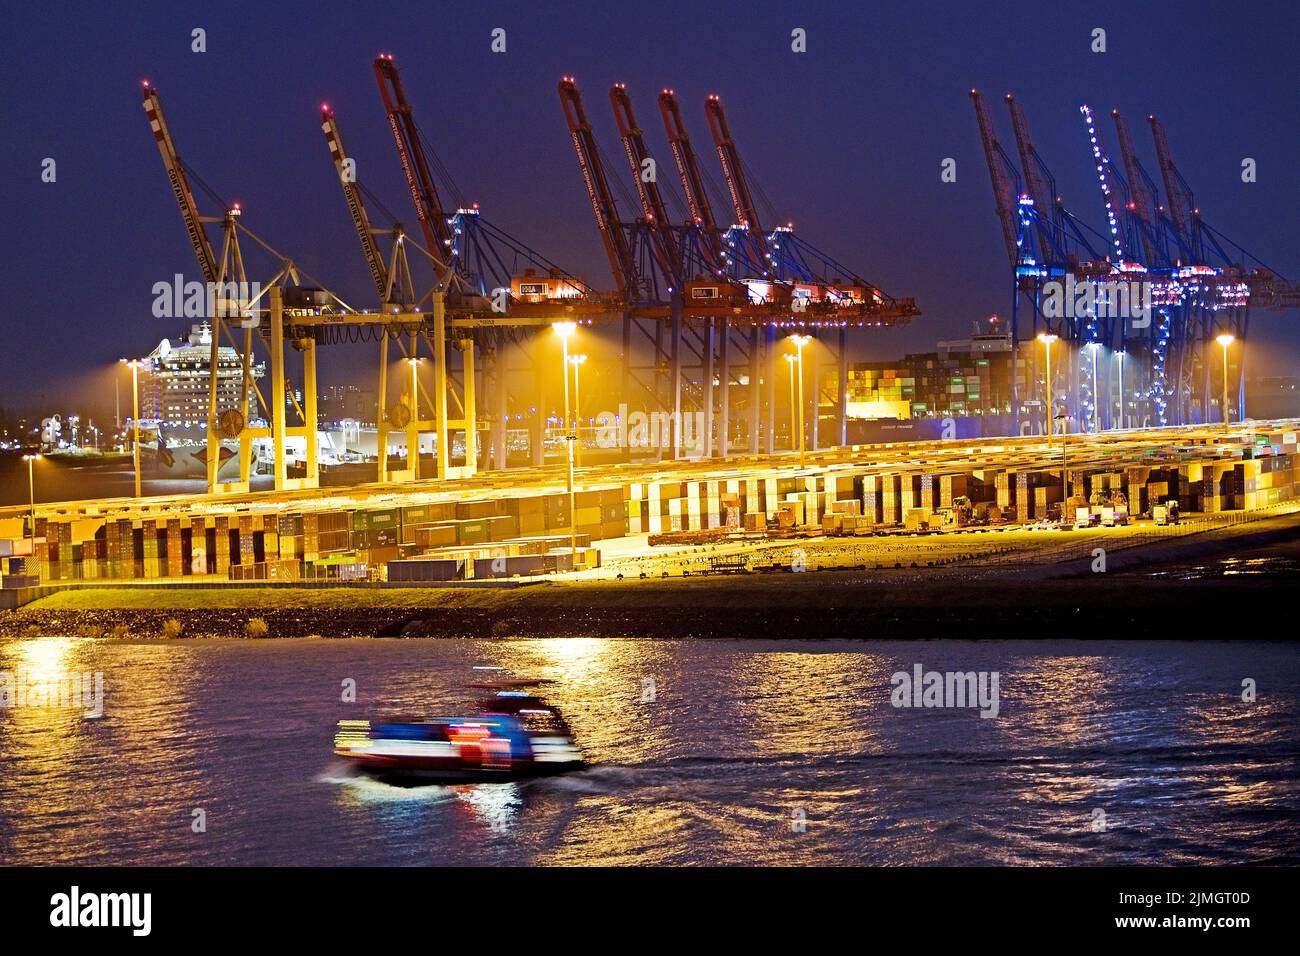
(807, 288)
(691, 258)
(406, 135)
(675, 298)
(497, 291)
(1197, 286)
(395, 288)
(1200, 287)
(392, 279)
(231, 297)
(1223, 281)
(1051, 244)
(688, 170)
(747, 236)
(643, 255)
(668, 254)
(716, 267)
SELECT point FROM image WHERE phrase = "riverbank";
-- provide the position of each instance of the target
(1204, 585)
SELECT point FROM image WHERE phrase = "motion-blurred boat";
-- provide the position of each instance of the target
(516, 735)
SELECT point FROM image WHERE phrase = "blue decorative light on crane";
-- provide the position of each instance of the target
(1105, 184)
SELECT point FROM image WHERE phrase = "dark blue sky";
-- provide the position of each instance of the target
(847, 138)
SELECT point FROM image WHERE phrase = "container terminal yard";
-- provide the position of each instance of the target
(881, 506)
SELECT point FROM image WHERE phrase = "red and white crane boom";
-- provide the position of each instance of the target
(352, 193)
(424, 191)
(621, 260)
(180, 186)
(692, 182)
(652, 202)
(742, 199)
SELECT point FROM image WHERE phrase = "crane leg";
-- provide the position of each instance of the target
(755, 387)
(443, 450)
(309, 425)
(470, 407)
(675, 376)
(842, 386)
(381, 419)
(501, 419)
(724, 425)
(710, 348)
(277, 389)
(770, 416)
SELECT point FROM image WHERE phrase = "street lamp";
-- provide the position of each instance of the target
(135, 412)
(576, 361)
(1065, 465)
(1047, 338)
(412, 429)
(791, 359)
(1226, 339)
(1121, 354)
(564, 330)
(414, 361)
(799, 342)
(31, 491)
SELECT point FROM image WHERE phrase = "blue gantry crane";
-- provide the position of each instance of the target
(1162, 284)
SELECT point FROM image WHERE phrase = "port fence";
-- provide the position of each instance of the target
(1152, 534)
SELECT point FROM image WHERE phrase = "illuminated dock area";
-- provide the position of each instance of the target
(699, 516)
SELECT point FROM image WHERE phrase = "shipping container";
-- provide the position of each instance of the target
(427, 569)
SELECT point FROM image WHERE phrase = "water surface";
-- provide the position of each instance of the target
(703, 752)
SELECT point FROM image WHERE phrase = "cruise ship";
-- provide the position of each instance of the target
(174, 405)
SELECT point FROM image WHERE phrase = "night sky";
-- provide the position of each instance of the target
(847, 139)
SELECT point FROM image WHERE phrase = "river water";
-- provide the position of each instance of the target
(767, 752)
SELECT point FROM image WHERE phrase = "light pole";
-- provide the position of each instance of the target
(1065, 466)
(1094, 348)
(414, 361)
(31, 492)
(1120, 353)
(564, 330)
(576, 361)
(135, 419)
(791, 359)
(1047, 338)
(799, 342)
(413, 430)
(1226, 339)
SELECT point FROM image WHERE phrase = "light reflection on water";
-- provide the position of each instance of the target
(735, 744)
(1273, 567)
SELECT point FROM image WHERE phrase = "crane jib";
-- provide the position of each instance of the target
(192, 226)
(407, 168)
(378, 271)
(591, 186)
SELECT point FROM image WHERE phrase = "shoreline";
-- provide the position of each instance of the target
(1147, 592)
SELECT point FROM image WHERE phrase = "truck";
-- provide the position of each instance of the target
(1110, 508)
(1166, 512)
(959, 515)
